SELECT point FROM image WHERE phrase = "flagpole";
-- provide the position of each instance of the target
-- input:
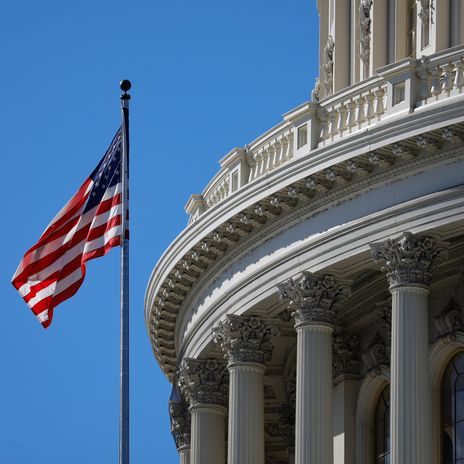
(124, 369)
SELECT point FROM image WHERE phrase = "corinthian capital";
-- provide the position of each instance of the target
(312, 298)
(180, 423)
(204, 381)
(411, 260)
(245, 339)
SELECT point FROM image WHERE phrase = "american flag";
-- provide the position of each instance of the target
(88, 226)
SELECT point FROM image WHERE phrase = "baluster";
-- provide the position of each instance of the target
(379, 107)
(360, 118)
(283, 150)
(277, 153)
(370, 107)
(333, 122)
(270, 160)
(341, 124)
(458, 77)
(447, 78)
(423, 73)
(290, 146)
(351, 105)
(265, 157)
(259, 160)
(436, 88)
(322, 114)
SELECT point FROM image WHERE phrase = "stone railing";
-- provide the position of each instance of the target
(396, 90)
(219, 190)
(272, 153)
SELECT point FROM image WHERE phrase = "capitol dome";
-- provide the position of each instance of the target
(311, 312)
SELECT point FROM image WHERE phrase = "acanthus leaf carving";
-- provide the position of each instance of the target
(246, 339)
(312, 298)
(411, 260)
(345, 353)
(376, 355)
(449, 320)
(204, 381)
(180, 423)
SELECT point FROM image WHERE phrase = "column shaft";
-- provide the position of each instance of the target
(246, 414)
(184, 456)
(410, 382)
(313, 432)
(208, 434)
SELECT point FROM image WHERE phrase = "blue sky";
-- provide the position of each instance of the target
(207, 76)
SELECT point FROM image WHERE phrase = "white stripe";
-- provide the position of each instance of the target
(43, 316)
(106, 216)
(56, 287)
(103, 240)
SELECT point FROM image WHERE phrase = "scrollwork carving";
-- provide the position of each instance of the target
(449, 320)
(345, 353)
(376, 355)
(411, 260)
(245, 339)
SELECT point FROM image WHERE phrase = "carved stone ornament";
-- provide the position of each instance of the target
(449, 320)
(313, 298)
(204, 381)
(245, 339)
(316, 92)
(180, 423)
(345, 353)
(365, 30)
(376, 355)
(411, 260)
(328, 55)
(384, 309)
(425, 12)
(287, 424)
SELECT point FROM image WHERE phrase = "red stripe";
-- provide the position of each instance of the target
(99, 231)
(108, 204)
(44, 283)
(113, 242)
(47, 260)
(72, 207)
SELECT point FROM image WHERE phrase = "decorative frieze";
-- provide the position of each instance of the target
(245, 339)
(411, 260)
(313, 298)
(376, 355)
(204, 381)
(180, 423)
(345, 353)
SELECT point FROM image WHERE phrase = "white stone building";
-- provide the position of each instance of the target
(311, 312)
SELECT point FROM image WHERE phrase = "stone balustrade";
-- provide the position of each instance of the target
(396, 90)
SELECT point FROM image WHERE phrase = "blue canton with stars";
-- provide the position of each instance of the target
(107, 173)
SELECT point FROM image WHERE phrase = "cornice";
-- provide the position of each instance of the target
(206, 246)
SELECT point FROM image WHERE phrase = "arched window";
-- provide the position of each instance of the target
(452, 397)
(382, 428)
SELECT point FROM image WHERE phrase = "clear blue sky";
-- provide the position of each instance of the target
(207, 76)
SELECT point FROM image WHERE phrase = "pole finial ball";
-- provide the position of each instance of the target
(125, 85)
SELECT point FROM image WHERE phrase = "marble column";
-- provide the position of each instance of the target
(180, 429)
(205, 384)
(245, 343)
(313, 302)
(409, 264)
